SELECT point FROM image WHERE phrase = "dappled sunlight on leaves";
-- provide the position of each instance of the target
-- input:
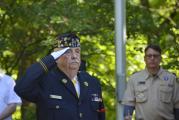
(17, 114)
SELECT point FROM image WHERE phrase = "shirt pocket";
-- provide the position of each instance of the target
(59, 109)
(166, 93)
(56, 104)
(141, 93)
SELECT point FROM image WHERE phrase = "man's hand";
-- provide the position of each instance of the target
(59, 53)
(8, 111)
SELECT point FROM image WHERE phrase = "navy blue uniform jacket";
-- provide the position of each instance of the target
(55, 96)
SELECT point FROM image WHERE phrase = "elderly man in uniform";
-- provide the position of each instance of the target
(57, 87)
(152, 92)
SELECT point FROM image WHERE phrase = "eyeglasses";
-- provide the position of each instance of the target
(152, 55)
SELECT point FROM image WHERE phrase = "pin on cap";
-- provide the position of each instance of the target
(68, 40)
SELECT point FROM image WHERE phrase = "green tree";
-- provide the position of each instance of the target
(28, 29)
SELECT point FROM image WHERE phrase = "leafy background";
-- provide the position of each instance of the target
(28, 29)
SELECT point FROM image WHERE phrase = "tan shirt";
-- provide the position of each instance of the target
(154, 97)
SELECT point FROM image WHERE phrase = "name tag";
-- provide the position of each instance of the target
(141, 82)
(55, 96)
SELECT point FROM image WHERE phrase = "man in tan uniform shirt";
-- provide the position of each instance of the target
(152, 92)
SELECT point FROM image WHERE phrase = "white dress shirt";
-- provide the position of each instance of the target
(7, 94)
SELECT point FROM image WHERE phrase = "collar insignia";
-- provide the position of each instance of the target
(86, 84)
(64, 81)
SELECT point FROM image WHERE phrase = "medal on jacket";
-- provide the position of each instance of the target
(64, 81)
(86, 84)
(95, 98)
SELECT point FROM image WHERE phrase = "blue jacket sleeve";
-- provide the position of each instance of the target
(28, 86)
(102, 111)
(176, 114)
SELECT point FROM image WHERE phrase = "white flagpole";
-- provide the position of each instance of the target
(120, 41)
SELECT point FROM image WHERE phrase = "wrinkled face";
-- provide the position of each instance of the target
(152, 58)
(71, 59)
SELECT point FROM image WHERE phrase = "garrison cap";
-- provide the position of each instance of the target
(68, 40)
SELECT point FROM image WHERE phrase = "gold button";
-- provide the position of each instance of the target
(81, 115)
(57, 106)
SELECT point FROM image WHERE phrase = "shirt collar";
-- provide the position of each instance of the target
(75, 78)
(147, 74)
(160, 73)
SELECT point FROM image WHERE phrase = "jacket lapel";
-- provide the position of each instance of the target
(69, 86)
(83, 87)
(65, 81)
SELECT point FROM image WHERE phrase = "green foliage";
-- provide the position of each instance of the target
(159, 25)
(28, 29)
